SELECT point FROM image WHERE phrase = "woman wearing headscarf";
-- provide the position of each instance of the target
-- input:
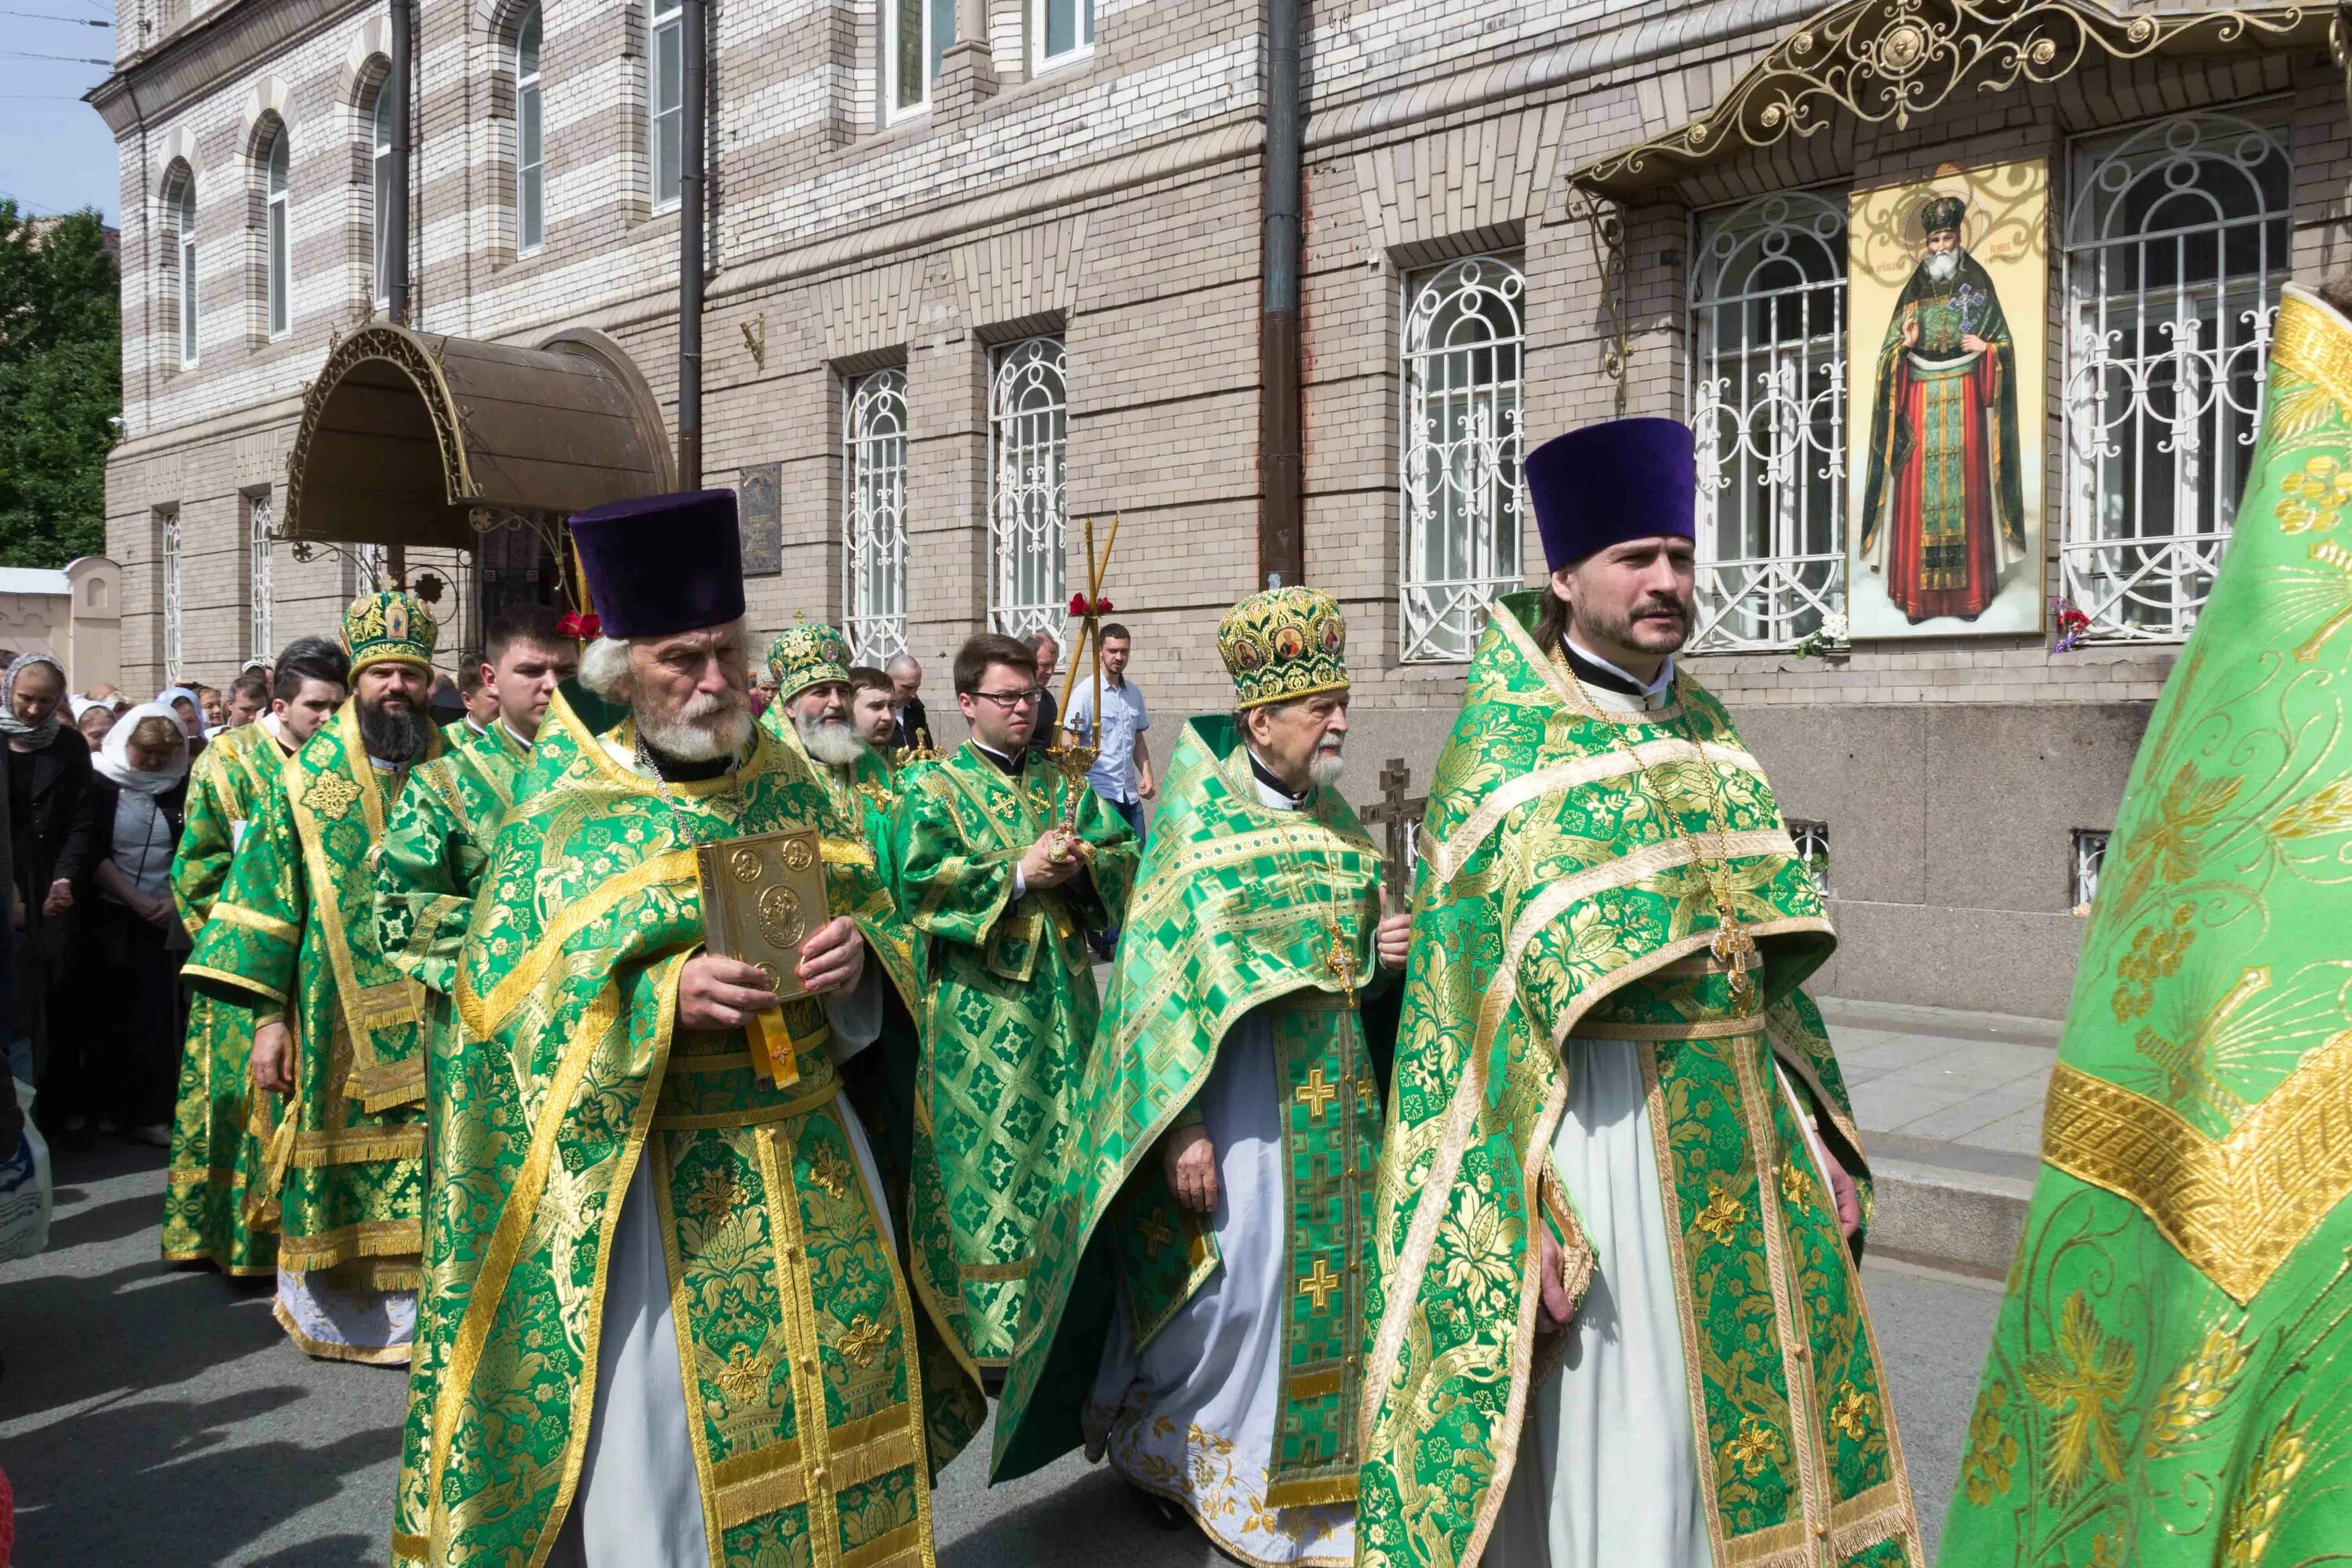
(93, 719)
(49, 829)
(189, 709)
(139, 796)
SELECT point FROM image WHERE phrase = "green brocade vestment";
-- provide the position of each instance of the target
(294, 930)
(813, 1432)
(220, 1135)
(435, 848)
(1236, 907)
(1011, 1021)
(1573, 864)
(2171, 1376)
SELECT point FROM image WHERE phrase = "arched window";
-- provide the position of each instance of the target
(182, 203)
(1028, 433)
(2177, 243)
(278, 239)
(1463, 349)
(874, 523)
(664, 95)
(169, 550)
(531, 205)
(1768, 404)
(260, 533)
(381, 105)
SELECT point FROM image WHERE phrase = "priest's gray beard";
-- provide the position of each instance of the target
(833, 741)
(1323, 769)
(395, 736)
(1941, 265)
(710, 725)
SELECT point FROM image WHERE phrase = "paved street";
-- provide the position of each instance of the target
(157, 1415)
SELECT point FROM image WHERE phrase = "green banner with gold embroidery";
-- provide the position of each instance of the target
(2170, 1377)
(1236, 907)
(1579, 863)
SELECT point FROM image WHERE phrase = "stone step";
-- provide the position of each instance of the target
(1947, 1206)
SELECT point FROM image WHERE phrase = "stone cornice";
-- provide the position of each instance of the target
(228, 39)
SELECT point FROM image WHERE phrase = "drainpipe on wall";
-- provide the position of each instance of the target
(395, 216)
(1281, 538)
(693, 18)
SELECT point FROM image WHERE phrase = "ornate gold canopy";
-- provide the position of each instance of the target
(1891, 61)
(417, 439)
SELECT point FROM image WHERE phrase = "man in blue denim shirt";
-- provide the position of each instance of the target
(1122, 770)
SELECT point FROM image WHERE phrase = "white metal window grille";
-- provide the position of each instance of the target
(2090, 859)
(260, 533)
(1463, 352)
(1812, 842)
(278, 241)
(2176, 241)
(666, 94)
(1060, 31)
(531, 133)
(1028, 425)
(874, 524)
(1768, 407)
(380, 111)
(183, 217)
(915, 37)
(171, 554)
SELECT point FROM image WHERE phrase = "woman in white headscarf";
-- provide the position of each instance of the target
(189, 709)
(141, 791)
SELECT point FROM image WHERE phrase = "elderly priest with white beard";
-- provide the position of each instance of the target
(682, 1336)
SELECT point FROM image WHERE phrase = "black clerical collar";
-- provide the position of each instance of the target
(1010, 765)
(678, 769)
(1266, 776)
(1607, 677)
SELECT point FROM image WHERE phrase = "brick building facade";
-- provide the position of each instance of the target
(964, 293)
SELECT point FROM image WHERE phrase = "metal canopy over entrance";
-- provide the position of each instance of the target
(419, 440)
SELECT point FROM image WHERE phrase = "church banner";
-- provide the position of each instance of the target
(1948, 336)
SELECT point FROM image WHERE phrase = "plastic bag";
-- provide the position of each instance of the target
(27, 1190)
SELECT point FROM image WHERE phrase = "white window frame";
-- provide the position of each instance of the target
(378, 128)
(260, 534)
(874, 515)
(183, 249)
(937, 18)
(171, 563)
(1461, 492)
(278, 232)
(1767, 301)
(665, 25)
(2152, 479)
(2089, 844)
(530, 136)
(1041, 59)
(1028, 491)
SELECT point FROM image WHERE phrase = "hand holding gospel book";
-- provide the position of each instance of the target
(761, 897)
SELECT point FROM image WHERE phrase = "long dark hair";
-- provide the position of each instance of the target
(1551, 620)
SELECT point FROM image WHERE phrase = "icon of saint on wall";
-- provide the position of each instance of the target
(1943, 511)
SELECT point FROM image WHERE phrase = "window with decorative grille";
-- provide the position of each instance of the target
(1028, 429)
(1464, 356)
(1812, 841)
(873, 522)
(260, 533)
(2176, 241)
(168, 529)
(1768, 407)
(2090, 859)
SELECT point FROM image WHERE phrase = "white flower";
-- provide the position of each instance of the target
(1833, 626)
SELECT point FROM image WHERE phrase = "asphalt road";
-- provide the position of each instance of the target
(157, 1415)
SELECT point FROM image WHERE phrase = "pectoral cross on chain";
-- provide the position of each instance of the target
(1733, 948)
(1401, 818)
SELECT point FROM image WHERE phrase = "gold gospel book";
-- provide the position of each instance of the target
(761, 897)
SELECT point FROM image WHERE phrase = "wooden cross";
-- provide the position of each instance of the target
(1155, 1234)
(1316, 1093)
(1322, 1284)
(1401, 818)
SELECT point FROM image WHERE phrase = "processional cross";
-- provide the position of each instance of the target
(1069, 754)
(1401, 818)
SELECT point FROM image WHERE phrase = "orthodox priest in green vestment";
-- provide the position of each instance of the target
(676, 1331)
(435, 849)
(292, 938)
(1616, 1315)
(1006, 863)
(1200, 1313)
(2170, 1377)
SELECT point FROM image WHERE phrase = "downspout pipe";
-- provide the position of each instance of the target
(402, 19)
(1281, 537)
(693, 22)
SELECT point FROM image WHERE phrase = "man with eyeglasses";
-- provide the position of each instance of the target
(1005, 864)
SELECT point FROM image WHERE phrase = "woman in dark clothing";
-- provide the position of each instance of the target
(139, 796)
(49, 828)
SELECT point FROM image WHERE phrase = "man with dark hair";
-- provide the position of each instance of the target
(218, 1147)
(1122, 773)
(249, 697)
(294, 932)
(874, 709)
(480, 707)
(1005, 866)
(1048, 650)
